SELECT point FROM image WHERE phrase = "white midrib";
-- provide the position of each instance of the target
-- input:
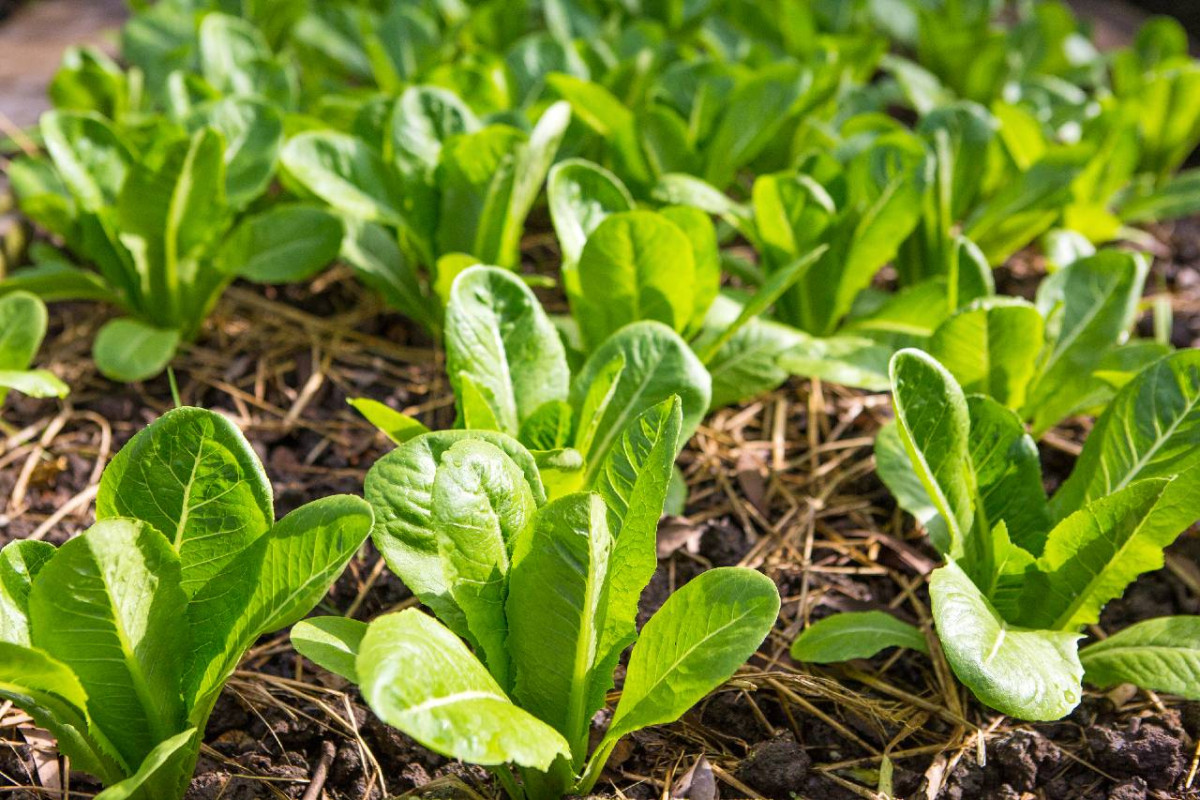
(451, 699)
(1141, 463)
(186, 508)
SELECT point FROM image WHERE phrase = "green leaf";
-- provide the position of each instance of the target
(533, 162)
(33, 383)
(633, 481)
(397, 426)
(934, 426)
(419, 677)
(165, 769)
(991, 347)
(556, 614)
(57, 280)
(50, 692)
(423, 119)
(707, 258)
(636, 265)
(108, 606)
(20, 562)
(1151, 429)
(400, 488)
(1162, 655)
(1088, 305)
(90, 158)
(1092, 555)
(481, 503)
(841, 359)
(994, 659)
(346, 173)
(23, 322)
(476, 178)
(194, 477)
(656, 364)
(497, 334)
(285, 244)
(696, 641)
(750, 363)
(855, 634)
(895, 469)
(253, 133)
(549, 427)
(378, 261)
(128, 350)
(581, 196)
(331, 642)
(269, 585)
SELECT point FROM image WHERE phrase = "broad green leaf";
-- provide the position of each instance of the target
(749, 364)
(128, 350)
(656, 365)
(346, 173)
(43, 197)
(269, 585)
(330, 642)
(481, 503)
(1007, 475)
(840, 359)
(170, 212)
(633, 481)
(20, 562)
(236, 59)
(706, 257)
(533, 162)
(1088, 306)
(33, 383)
(934, 426)
(58, 280)
(556, 614)
(991, 347)
(379, 262)
(1162, 655)
(994, 659)
(166, 769)
(549, 427)
(1092, 555)
(475, 411)
(194, 477)
(285, 244)
(419, 677)
(50, 692)
(497, 334)
(636, 265)
(89, 156)
(581, 196)
(895, 469)
(397, 426)
(855, 634)
(1151, 429)
(109, 606)
(476, 178)
(423, 119)
(399, 488)
(23, 322)
(253, 133)
(696, 641)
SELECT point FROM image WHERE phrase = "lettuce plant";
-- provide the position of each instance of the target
(533, 603)
(120, 640)
(510, 373)
(1023, 575)
(442, 181)
(22, 328)
(1062, 355)
(156, 213)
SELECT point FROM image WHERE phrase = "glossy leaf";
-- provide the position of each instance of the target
(397, 426)
(330, 642)
(1161, 655)
(991, 347)
(285, 244)
(855, 634)
(129, 350)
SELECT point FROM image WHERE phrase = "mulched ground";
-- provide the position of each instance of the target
(784, 484)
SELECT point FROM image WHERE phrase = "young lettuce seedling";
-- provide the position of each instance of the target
(120, 640)
(22, 328)
(534, 603)
(509, 371)
(1023, 574)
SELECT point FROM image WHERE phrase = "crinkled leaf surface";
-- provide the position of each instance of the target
(20, 562)
(193, 476)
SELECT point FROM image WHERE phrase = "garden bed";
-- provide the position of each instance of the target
(784, 484)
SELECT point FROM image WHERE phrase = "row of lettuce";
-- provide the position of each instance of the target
(412, 144)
